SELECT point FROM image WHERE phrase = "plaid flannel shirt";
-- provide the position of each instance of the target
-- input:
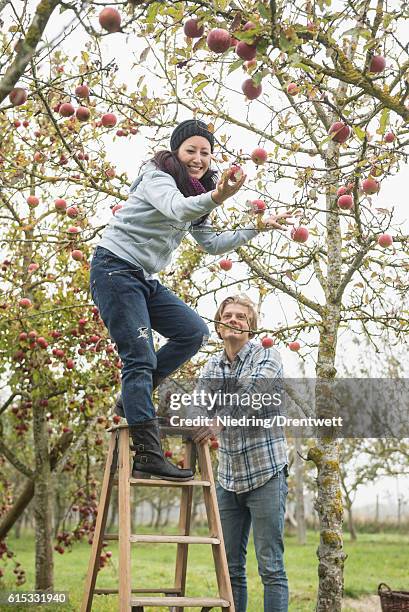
(248, 457)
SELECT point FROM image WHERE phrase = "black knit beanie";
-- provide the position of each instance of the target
(188, 128)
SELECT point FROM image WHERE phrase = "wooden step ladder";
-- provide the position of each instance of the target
(117, 471)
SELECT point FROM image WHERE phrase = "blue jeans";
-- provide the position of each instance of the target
(263, 507)
(131, 306)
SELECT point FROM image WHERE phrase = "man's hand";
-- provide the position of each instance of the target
(203, 434)
(225, 189)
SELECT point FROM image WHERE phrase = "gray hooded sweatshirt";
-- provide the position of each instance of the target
(156, 217)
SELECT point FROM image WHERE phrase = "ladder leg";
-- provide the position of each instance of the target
(213, 519)
(184, 525)
(124, 531)
(93, 565)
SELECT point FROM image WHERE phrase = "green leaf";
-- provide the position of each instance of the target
(153, 10)
(199, 77)
(359, 132)
(201, 86)
(284, 43)
(257, 77)
(384, 121)
(236, 64)
(264, 12)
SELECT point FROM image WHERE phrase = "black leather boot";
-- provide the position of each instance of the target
(149, 459)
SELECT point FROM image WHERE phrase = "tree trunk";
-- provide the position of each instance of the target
(27, 492)
(325, 455)
(299, 494)
(17, 528)
(44, 568)
(351, 525)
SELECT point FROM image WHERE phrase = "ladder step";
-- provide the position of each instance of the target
(174, 539)
(170, 590)
(166, 539)
(181, 602)
(153, 482)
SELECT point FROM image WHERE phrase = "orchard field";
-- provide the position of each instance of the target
(311, 100)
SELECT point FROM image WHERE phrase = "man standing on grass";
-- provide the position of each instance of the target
(252, 472)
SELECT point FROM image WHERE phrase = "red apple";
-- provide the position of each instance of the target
(267, 342)
(168, 453)
(370, 186)
(292, 89)
(18, 96)
(377, 64)
(16, 123)
(72, 212)
(299, 234)
(73, 231)
(82, 91)
(108, 120)
(250, 65)
(251, 90)
(26, 123)
(42, 342)
(259, 156)
(110, 19)
(66, 109)
(246, 51)
(385, 240)
(110, 173)
(389, 137)
(258, 206)
(192, 29)
(25, 303)
(218, 40)
(77, 255)
(294, 346)
(60, 204)
(69, 364)
(32, 334)
(345, 202)
(39, 157)
(116, 418)
(82, 113)
(342, 191)
(214, 444)
(340, 131)
(33, 201)
(23, 336)
(235, 173)
(226, 264)
(116, 208)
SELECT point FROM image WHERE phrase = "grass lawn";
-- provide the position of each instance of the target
(372, 559)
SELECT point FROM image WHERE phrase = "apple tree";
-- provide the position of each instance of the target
(61, 105)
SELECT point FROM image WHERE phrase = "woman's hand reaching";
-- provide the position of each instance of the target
(281, 221)
(225, 189)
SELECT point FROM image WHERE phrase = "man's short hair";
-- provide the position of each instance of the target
(243, 300)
